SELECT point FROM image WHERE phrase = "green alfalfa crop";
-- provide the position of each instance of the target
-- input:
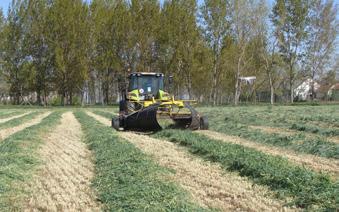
(306, 188)
(18, 158)
(17, 121)
(126, 179)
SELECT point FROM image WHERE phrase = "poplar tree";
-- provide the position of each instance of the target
(13, 55)
(215, 26)
(68, 38)
(291, 20)
(320, 45)
(181, 40)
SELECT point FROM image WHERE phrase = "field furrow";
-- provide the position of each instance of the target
(4, 133)
(62, 182)
(2, 120)
(206, 182)
(330, 166)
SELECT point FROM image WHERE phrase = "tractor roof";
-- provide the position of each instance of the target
(146, 74)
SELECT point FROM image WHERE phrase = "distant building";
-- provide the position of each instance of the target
(303, 92)
(333, 92)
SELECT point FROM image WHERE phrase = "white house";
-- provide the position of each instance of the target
(304, 90)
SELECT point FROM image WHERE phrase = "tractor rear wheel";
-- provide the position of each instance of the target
(203, 123)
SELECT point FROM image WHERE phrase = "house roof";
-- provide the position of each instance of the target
(324, 88)
(334, 87)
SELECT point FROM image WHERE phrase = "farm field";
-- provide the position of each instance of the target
(253, 158)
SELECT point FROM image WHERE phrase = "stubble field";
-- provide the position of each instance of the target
(255, 158)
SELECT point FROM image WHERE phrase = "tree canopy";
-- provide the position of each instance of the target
(73, 52)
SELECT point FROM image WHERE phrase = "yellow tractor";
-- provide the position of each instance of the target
(145, 105)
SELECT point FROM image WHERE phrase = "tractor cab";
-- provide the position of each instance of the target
(146, 86)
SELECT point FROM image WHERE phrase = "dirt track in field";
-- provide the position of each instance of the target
(288, 132)
(4, 133)
(208, 184)
(13, 117)
(331, 166)
(62, 182)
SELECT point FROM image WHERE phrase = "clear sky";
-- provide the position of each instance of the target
(4, 4)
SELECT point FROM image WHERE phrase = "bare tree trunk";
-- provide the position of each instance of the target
(291, 83)
(214, 81)
(189, 85)
(237, 84)
(271, 88)
(312, 87)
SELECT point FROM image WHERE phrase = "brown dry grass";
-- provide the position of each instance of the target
(13, 117)
(330, 166)
(208, 184)
(10, 131)
(62, 182)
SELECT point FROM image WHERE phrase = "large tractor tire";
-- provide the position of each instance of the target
(203, 123)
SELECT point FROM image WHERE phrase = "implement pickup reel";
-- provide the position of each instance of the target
(147, 107)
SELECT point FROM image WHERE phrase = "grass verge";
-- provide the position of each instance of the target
(18, 159)
(307, 188)
(126, 179)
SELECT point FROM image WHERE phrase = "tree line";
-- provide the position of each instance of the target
(78, 50)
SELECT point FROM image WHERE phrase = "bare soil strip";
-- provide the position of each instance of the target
(288, 132)
(208, 184)
(62, 182)
(331, 166)
(10, 131)
(13, 117)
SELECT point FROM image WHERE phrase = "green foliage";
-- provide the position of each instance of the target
(18, 158)
(291, 21)
(77, 48)
(307, 189)
(126, 179)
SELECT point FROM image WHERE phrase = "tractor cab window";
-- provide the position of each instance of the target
(148, 84)
(133, 83)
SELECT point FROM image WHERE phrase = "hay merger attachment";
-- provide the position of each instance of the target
(147, 107)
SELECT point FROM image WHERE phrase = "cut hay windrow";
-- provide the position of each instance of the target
(320, 164)
(240, 122)
(4, 133)
(8, 113)
(298, 142)
(214, 187)
(63, 181)
(289, 132)
(13, 116)
(126, 179)
(306, 188)
(18, 159)
(19, 120)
